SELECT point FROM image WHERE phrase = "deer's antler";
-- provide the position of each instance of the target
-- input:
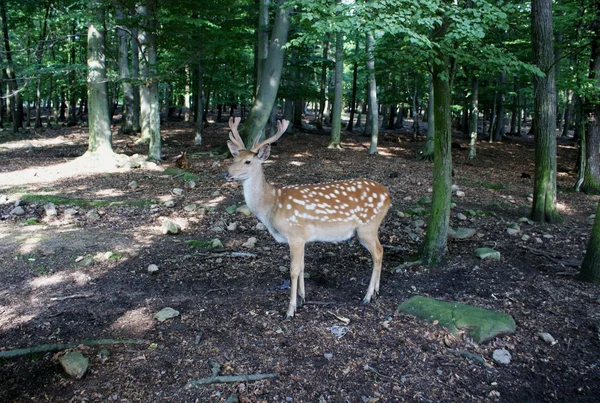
(282, 126)
(234, 136)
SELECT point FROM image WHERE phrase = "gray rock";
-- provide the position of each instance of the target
(232, 227)
(190, 207)
(461, 233)
(74, 364)
(170, 227)
(260, 227)
(177, 191)
(460, 193)
(418, 223)
(92, 215)
(217, 229)
(3, 199)
(513, 231)
(166, 313)
(18, 202)
(191, 184)
(453, 188)
(487, 253)
(244, 210)
(169, 203)
(50, 209)
(461, 216)
(17, 211)
(250, 243)
(547, 337)
(216, 244)
(152, 269)
(328, 356)
(501, 356)
(70, 212)
(525, 237)
(133, 185)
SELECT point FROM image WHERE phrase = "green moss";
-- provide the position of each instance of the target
(61, 200)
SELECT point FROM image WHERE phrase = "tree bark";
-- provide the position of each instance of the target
(199, 105)
(428, 147)
(474, 115)
(350, 125)
(544, 188)
(267, 92)
(323, 85)
(336, 114)
(16, 102)
(501, 115)
(39, 53)
(372, 89)
(100, 136)
(262, 49)
(434, 244)
(590, 268)
(127, 113)
(135, 72)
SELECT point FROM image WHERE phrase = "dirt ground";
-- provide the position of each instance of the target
(71, 278)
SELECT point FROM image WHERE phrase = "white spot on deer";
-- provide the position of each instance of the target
(311, 206)
(289, 206)
(280, 205)
(297, 201)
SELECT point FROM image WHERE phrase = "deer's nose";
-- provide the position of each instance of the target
(226, 176)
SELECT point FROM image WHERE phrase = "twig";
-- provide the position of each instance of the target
(318, 303)
(216, 378)
(395, 248)
(226, 254)
(74, 296)
(213, 290)
(406, 265)
(44, 348)
(373, 370)
(551, 257)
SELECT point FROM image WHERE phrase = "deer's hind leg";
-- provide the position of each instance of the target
(368, 237)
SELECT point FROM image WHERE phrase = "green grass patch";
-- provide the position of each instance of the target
(176, 173)
(61, 200)
(29, 221)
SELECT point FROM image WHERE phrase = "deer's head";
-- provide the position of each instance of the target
(247, 163)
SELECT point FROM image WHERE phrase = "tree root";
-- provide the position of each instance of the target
(45, 348)
(216, 378)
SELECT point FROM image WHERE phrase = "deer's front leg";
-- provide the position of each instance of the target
(296, 268)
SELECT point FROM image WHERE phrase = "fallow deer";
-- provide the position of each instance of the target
(328, 212)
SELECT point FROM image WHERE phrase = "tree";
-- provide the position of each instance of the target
(544, 188)
(590, 268)
(474, 115)
(100, 136)
(128, 98)
(271, 78)
(336, 114)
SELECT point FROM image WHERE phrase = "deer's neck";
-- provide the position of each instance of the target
(260, 197)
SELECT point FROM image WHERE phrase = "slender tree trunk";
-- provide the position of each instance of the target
(127, 114)
(474, 115)
(135, 72)
(100, 136)
(590, 268)
(434, 244)
(336, 114)
(323, 85)
(514, 119)
(39, 53)
(428, 147)
(13, 85)
(262, 49)
(415, 100)
(372, 88)
(199, 105)
(150, 110)
(350, 126)
(501, 115)
(544, 191)
(269, 85)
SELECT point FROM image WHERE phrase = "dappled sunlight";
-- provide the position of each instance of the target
(134, 323)
(296, 163)
(12, 318)
(38, 142)
(110, 193)
(49, 280)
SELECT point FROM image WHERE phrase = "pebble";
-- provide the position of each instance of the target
(152, 269)
(460, 193)
(461, 216)
(17, 211)
(501, 356)
(70, 212)
(177, 191)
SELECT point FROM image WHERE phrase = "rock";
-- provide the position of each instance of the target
(70, 212)
(513, 230)
(165, 313)
(250, 243)
(461, 216)
(460, 193)
(50, 210)
(418, 223)
(92, 215)
(216, 193)
(85, 261)
(190, 207)
(453, 188)
(191, 184)
(539, 240)
(424, 200)
(525, 220)
(17, 211)
(525, 237)
(170, 227)
(244, 210)
(328, 356)
(479, 323)
(283, 269)
(152, 269)
(3, 199)
(260, 227)
(400, 214)
(501, 356)
(216, 244)
(217, 229)
(461, 233)
(547, 337)
(548, 236)
(169, 203)
(487, 253)
(74, 364)
(133, 185)
(232, 227)
(177, 191)
(18, 203)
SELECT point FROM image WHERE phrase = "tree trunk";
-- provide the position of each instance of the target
(350, 126)
(323, 85)
(474, 115)
(501, 115)
(415, 102)
(590, 268)
(372, 88)
(199, 105)
(434, 244)
(428, 147)
(16, 103)
(269, 85)
(336, 114)
(38, 56)
(514, 119)
(127, 113)
(262, 49)
(135, 71)
(100, 136)
(544, 188)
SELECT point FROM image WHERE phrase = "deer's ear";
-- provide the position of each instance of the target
(234, 148)
(264, 152)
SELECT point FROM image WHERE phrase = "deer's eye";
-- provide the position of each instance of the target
(247, 162)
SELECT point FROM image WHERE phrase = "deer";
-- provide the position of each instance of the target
(297, 215)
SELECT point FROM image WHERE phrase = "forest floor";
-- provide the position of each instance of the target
(77, 277)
